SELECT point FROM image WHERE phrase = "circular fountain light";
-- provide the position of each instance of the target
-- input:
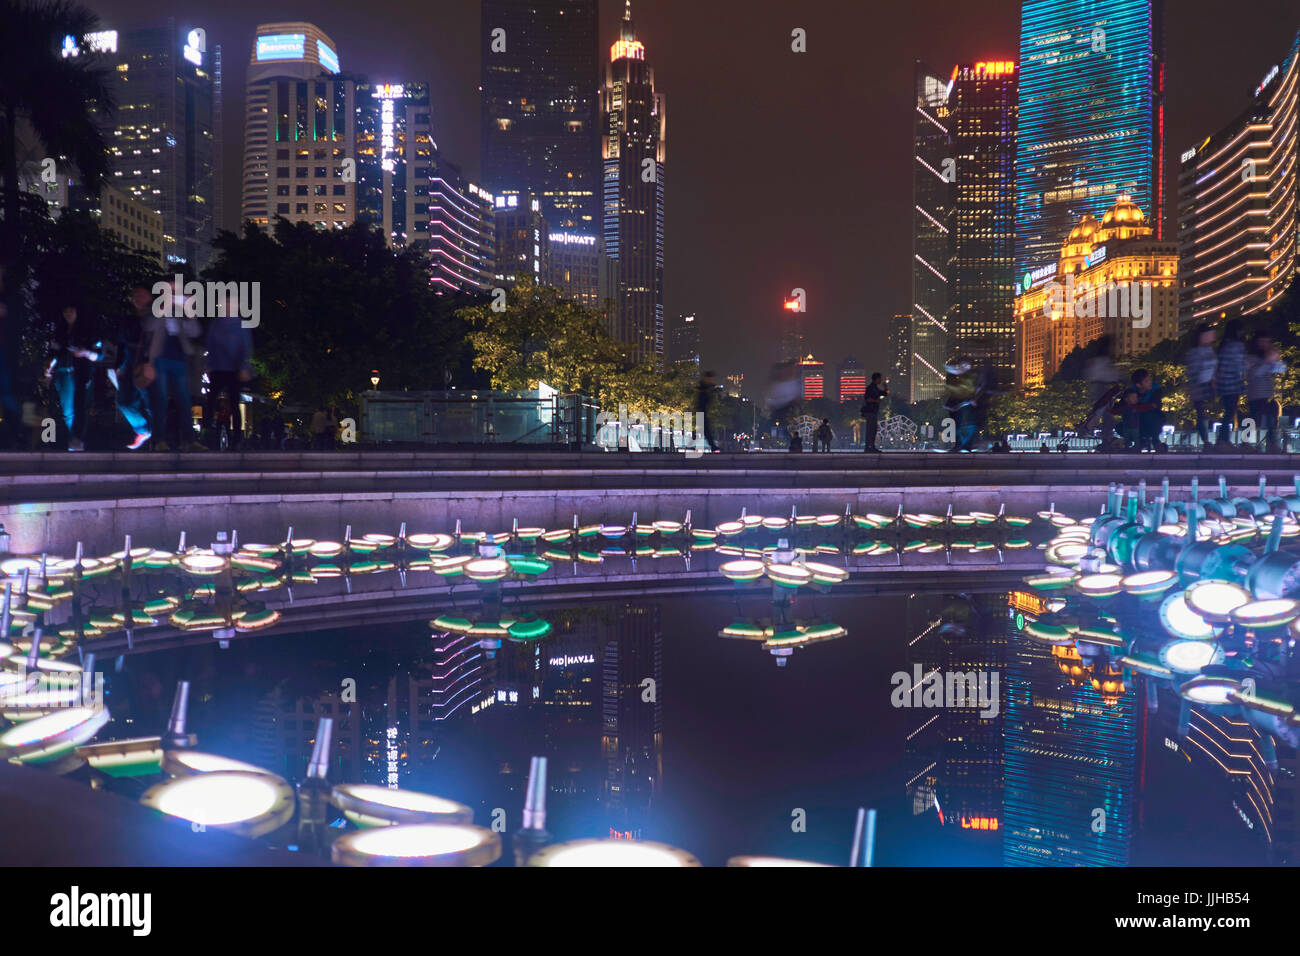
(1210, 691)
(1274, 612)
(49, 736)
(248, 804)
(451, 622)
(770, 861)
(203, 563)
(1062, 521)
(1216, 600)
(1066, 552)
(326, 549)
(430, 542)
(418, 844)
(184, 763)
(789, 575)
(529, 629)
(256, 619)
(17, 682)
(611, 853)
(1050, 578)
(826, 573)
(1181, 621)
(14, 567)
(829, 521)
(1149, 582)
(451, 566)
(668, 527)
(613, 530)
(1098, 585)
(1190, 657)
(397, 806)
(1049, 633)
(487, 569)
(729, 528)
(379, 539)
(742, 570)
(775, 524)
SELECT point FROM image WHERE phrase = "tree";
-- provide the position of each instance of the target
(335, 304)
(56, 98)
(539, 336)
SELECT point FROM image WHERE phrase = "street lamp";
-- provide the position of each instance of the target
(374, 379)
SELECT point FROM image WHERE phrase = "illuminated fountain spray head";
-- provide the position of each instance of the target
(319, 765)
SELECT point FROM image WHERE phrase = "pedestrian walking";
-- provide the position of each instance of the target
(1230, 377)
(1102, 377)
(132, 351)
(1201, 363)
(961, 392)
(73, 354)
(875, 394)
(230, 365)
(1263, 365)
(172, 337)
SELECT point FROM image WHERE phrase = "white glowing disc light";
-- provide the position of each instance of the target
(611, 853)
(182, 763)
(1216, 600)
(770, 861)
(1181, 621)
(398, 806)
(249, 804)
(419, 844)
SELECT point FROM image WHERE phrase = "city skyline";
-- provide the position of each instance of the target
(841, 249)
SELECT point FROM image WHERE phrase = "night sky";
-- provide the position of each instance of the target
(783, 169)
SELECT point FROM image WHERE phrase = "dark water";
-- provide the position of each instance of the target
(728, 753)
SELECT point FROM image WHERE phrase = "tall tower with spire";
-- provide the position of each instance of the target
(633, 148)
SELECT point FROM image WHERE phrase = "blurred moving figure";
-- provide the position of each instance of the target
(961, 391)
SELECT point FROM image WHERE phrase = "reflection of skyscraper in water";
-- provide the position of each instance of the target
(1071, 758)
(631, 716)
(957, 753)
(284, 733)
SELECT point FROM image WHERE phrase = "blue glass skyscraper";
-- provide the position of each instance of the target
(1091, 120)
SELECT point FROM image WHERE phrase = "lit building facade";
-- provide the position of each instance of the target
(164, 138)
(396, 157)
(579, 268)
(932, 198)
(522, 239)
(1237, 199)
(1091, 116)
(299, 130)
(1102, 274)
(686, 341)
(462, 232)
(981, 259)
(899, 356)
(812, 378)
(540, 106)
(852, 380)
(634, 149)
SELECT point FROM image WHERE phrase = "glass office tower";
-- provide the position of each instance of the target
(1091, 120)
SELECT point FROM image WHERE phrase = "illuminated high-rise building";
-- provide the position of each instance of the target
(579, 268)
(540, 106)
(932, 199)
(1237, 197)
(164, 137)
(633, 147)
(981, 254)
(1091, 117)
(300, 120)
(899, 355)
(523, 241)
(812, 378)
(396, 156)
(462, 234)
(632, 728)
(686, 340)
(853, 380)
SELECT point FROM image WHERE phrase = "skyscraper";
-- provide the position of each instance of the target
(899, 355)
(462, 235)
(686, 340)
(522, 238)
(539, 119)
(853, 380)
(1091, 117)
(980, 269)
(164, 138)
(931, 228)
(299, 130)
(634, 149)
(395, 156)
(1237, 195)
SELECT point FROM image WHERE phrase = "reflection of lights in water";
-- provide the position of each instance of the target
(1149, 582)
(769, 861)
(1181, 621)
(743, 570)
(1189, 657)
(487, 569)
(611, 853)
(1209, 690)
(1098, 585)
